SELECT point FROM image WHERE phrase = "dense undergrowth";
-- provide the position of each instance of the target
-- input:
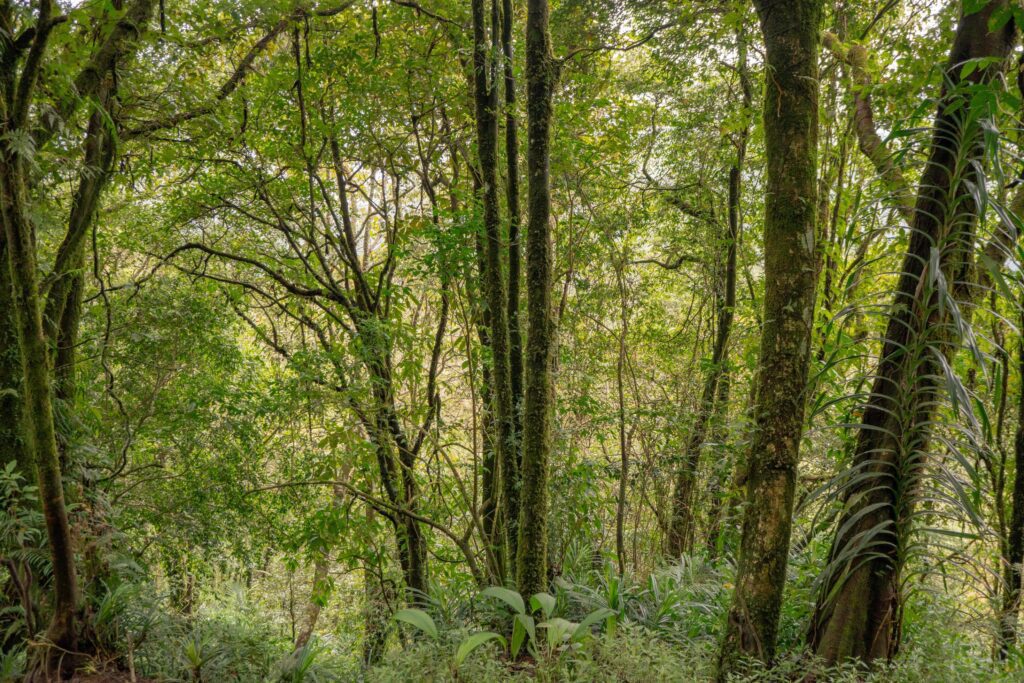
(665, 628)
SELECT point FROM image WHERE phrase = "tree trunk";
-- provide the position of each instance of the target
(400, 488)
(716, 388)
(12, 445)
(485, 92)
(63, 307)
(377, 611)
(541, 72)
(620, 369)
(40, 436)
(515, 337)
(1012, 571)
(858, 613)
(53, 659)
(315, 604)
(790, 32)
(382, 423)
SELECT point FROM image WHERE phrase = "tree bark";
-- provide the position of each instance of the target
(12, 444)
(515, 337)
(859, 611)
(541, 73)
(485, 91)
(1012, 570)
(790, 32)
(37, 404)
(620, 369)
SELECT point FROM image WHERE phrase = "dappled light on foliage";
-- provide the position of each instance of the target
(511, 340)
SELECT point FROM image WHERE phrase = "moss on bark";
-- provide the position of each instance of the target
(531, 562)
(790, 32)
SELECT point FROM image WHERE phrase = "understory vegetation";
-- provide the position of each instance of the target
(666, 628)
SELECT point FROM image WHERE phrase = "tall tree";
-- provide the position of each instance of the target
(715, 394)
(727, 301)
(541, 73)
(515, 337)
(790, 29)
(22, 135)
(859, 611)
(1012, 530)
(485, 91)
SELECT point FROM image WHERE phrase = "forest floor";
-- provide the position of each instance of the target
(111, 676)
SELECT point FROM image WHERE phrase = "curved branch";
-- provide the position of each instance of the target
(297, 290)
(870, 142)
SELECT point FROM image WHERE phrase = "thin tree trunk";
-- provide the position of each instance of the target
(1012, 570)
(721, 492)
(859, 611)
(63, 308)
(491, 483)
(790, 32)
(541, 72)
(486, 104)
(315, 605)
(620, 367)
(383, 425)
(379, 595)
(683, 524)
(515, 337)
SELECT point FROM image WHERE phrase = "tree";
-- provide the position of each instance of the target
(715, 394)
(541, 72)
(790, 33)
(859, 610)
(23, 136)
(485, 92)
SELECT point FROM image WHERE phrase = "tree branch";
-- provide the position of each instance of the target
(870, 142)
(236, 78)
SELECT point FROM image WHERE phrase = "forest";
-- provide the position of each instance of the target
(511, 340)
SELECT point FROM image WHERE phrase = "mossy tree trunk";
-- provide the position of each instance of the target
(859, 611)
(624, 437)
(515, 337)
(485, 97)
(1012, 572)
(790, 32)
(541, 73)
(25, 66)
(63, 307)
(26, 300)
(12, 446)
(37, 405)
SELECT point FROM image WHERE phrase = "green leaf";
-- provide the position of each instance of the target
(545, 602)
(473, 642)
(973, 6)
(558, 629)
(509, 597)
(419, 619)
(583, 630)
(522, 626)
